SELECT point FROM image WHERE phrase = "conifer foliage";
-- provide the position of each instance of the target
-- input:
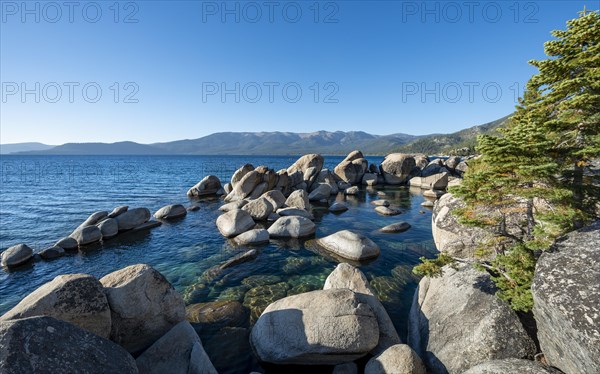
(540, 164)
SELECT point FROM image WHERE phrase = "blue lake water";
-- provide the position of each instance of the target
(43, 198)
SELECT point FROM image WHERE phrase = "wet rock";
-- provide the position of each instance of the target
(52, 253)
(400, 359)
(16, 255)
(209, 185)
(143, 304)
(243, 257)
(178, 351)
(193, 208)
(146, 226)
(294, 265)
(133, 218)
(566, 295)
(292, 227)
(109, 228)
(338, 207)
(234, 223)
(87, 235)
(321, 327)
(259, 297)
(252, 237)
(171, 212)
(350, 245)
(75, 298)
(388, 211)
(380, 203)
(395, 227)
(67, 243)
(46, 345)
(222, 313)
(459, 312)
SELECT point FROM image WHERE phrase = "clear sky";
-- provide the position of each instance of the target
(152, 71)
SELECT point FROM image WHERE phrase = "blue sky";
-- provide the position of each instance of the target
(152, 71)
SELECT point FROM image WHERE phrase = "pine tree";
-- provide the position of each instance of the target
(540, 159)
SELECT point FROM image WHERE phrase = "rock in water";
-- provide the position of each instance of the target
(221, 313)
(117, 211)
(387, 211)
(566, 295)
(52, 253)
(178, 351)
(233, 205)
(305, 162)
(292, 227)
(87, 235)
(275, 197)
(338, 207)
(75, 298)
(457, 322)
(350, 245)
(352, 169)
(435, 181)
(295, 212)
(144, 306)
(252, 237)
(320, 327)
(395, 227)
(380, 203)
(46, 345)
(171, 212)
(298, 199)
(93, 219)
(234, 223)
(510, 365)
(347, 276)
(399, 359)
(259, 209)
(397, 167)
(16, 255)
(109, 228)
(67, 243)
(209, 185)
(133, 218)
(354, 190)
(320, 193)
(245, 186)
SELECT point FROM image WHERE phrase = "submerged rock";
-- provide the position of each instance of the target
(243, 257)
(387, 211)
(259, 297)
(350, 245)
(319, 327)
(396, 227)
(225, 313)
(338, 207)
(75, 298)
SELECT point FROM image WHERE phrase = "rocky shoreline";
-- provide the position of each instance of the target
(133, 320)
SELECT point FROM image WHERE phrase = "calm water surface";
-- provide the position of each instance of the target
(43, 198)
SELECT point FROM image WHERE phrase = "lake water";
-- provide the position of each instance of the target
(43, 198)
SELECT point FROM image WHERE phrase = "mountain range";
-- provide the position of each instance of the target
(272, 143)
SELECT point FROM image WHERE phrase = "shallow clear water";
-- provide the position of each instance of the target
(43, 198)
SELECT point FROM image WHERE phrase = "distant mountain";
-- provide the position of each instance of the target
(23, 147)
(120, 148)
(284, 143)
(446, 143)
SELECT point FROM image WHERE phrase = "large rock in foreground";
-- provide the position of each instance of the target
(75, 298)
(319, 327)
(16, 255)
(45, 345)
(457, 322)
(292, 227)
(178, 351)
(350, 245)
(144, 306)
(510, 365)
(566, 295)
(397, 167)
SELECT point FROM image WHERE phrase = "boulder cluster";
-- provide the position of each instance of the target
(99, 227)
